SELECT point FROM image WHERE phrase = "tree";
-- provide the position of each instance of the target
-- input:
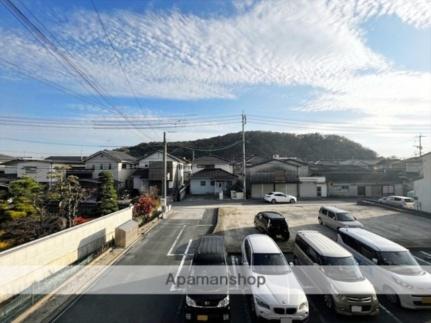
(145, 205)
(68, 193)
(27, 198)
(107, 194)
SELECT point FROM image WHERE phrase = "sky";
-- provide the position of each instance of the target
(356, 68)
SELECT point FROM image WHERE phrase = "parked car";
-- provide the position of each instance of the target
(336, 218)
(400, 201)
(208, 304)
(279, 197)
(338, 277)
(281, 297)
(391, 267)
(273, 224)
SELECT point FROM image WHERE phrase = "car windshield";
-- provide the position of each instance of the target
(400, 262)
(345, 217)
(278, 223)
(408, 200)
(270, 264)
(342, 269)
(397, 258)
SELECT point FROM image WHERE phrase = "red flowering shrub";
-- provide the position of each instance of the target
(80, 220)
(145, 205)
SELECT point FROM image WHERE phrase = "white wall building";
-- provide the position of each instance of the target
(211, 181)
(42, 171)
(119, 164)
(422, 187)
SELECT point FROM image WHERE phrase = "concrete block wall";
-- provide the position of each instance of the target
(23, 265)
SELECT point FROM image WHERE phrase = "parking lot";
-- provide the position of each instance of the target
(235, 222)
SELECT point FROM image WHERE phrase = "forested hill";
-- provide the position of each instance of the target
(265, 143)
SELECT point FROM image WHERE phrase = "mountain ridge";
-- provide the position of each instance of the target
(309, 147)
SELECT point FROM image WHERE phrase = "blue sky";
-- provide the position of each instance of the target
(357, 68)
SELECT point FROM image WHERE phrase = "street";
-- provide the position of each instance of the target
(166, 244)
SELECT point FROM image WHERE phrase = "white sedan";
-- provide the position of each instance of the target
(279, 197)
(400, 201)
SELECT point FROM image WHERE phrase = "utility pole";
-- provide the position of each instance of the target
(244, 170)
(419, 147)
(165, 169)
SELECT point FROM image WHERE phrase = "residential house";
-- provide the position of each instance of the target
(212, 181)
(41, 170)
(211, 175)
(120, 164)
(287, 175)
(422, 187)
(149, 173)
(206, 162)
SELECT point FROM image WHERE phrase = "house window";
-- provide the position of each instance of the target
(109, 166)
(345, 187)
(93, 166)
(123, 166)
(101, 166)
(212, 183)
(203, 183)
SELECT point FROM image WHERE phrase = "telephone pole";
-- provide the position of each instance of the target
(244, 170)
(165, 169)
(420, 147)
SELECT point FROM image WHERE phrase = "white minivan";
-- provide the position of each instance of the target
(281, 297)
(390, 267)
(334, 273)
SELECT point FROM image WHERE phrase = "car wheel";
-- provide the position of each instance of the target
(292, 201)
(391, 296)
(320, 221)
(256, 317)
(329, 302)
(273, 201)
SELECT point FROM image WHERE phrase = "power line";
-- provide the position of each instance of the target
(59, 143)
(53, 48)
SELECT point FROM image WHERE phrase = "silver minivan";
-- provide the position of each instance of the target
(334, 272)
(336, 218)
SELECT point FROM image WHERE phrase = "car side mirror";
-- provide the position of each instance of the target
(291, 264)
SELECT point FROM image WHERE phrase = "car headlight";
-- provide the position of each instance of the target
(402, 283)
(340, 297)
(261, 303)
(303, 307)
(224, 302)
(190, 301)
(374, 297)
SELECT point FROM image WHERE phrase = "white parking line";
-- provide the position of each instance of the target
(426, 253)
(175, 242)
(173, 287)
(424, 261)
(396, 319)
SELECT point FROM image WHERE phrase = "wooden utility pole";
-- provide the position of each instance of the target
(165, 169)
(419, 147)
(244, 170)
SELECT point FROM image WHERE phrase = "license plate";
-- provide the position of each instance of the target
(202, 317)
(426, 300)
(286, 320)
(356, 309)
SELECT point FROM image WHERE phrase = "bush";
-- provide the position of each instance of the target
(145, 207)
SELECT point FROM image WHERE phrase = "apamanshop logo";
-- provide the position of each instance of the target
(196, 280)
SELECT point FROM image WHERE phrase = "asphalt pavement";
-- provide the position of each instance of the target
(172, 242)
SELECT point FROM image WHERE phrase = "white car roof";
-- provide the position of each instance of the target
(277, 193)
(373, 240)
(261, 243)
(324, 245)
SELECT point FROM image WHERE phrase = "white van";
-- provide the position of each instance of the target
(338, 277)
(281, 297)
(391, 267)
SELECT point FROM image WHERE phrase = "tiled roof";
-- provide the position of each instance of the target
(66, 159)
(214, 174)
(115, 155)
(210, 160)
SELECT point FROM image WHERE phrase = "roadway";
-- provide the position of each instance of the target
(167, 244)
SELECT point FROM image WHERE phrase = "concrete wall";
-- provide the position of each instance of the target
(422, 187)
(33, 259)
